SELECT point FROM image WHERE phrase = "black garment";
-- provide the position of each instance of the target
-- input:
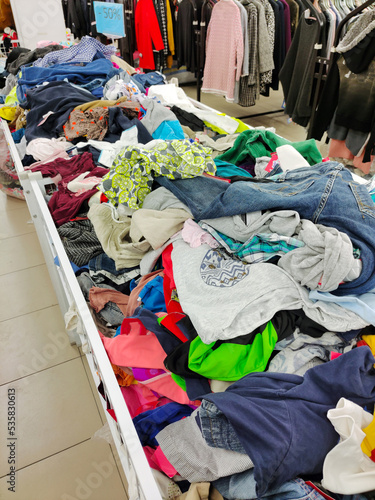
(205, 17)
(118, 122)
(188, 119)
(30, 56)
(349, 91)
(80, 241)
(296, 75)
(16, 52)
(76, 20)
(278, 57)
(284, 323)
(60, 98)
(188, 12)
(90, 149)
(359, 58)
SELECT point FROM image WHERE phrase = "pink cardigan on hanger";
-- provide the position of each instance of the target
(224, 50)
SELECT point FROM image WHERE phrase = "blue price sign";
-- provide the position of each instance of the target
(109, 18)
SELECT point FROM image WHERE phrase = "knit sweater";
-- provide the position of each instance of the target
(224, 50)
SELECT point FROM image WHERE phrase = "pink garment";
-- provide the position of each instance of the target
(83, 183)
(134, 294)
(166, 386)
(138, 347)
(157, 460)
(193, 234)
(140, 398)
(338, 149)
(224, 50)
(99, 297)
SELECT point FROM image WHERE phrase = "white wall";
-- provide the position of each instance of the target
(38, 20)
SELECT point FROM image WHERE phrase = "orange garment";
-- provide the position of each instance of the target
(6, 15)
(99, 297)
(123, 379)
(338, 149)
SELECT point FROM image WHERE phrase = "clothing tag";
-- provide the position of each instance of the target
(318, 46)
(45, 117)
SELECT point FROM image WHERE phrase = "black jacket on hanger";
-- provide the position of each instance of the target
(188, 11)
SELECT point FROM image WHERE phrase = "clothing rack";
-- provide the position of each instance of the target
(324, 63)
(200, 37)
(349, 16)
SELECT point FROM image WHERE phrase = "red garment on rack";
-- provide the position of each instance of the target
(147, 33)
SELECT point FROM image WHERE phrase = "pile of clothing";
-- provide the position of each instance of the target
(230, 273)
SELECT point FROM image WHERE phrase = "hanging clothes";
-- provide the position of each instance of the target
(348, 98)
(188, 17)
(147, 32)
(224, 50)
(296, 75)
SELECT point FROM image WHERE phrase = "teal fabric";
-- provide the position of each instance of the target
(226, 169)
(169, 130)
(259, 248)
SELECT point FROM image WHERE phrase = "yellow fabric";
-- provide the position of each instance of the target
(12, 97)
(100, 103)
(368, 443)
(170, 30)
(8, 112)
(370, 340)
(215, 128)
(19, 120)
(241, 126)
(169, 61)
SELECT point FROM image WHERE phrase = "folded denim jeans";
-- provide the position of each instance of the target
(242, 487)
(324, 193)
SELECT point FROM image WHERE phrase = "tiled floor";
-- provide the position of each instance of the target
(57, 411)
(56, 406)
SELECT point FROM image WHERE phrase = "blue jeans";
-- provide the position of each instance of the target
(242, 486)
(110, 312)
(324, 193)
(216, 428)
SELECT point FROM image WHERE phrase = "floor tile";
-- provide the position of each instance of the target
(20, 252)
(86, 471)
(15, 223)
(119, 466)
(33, 342)
(25, 291)
(9, 203)
(55, 410)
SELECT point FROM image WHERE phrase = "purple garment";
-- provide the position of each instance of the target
(64, 204)
(288, 30)
(281, 419)
(249, 166)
